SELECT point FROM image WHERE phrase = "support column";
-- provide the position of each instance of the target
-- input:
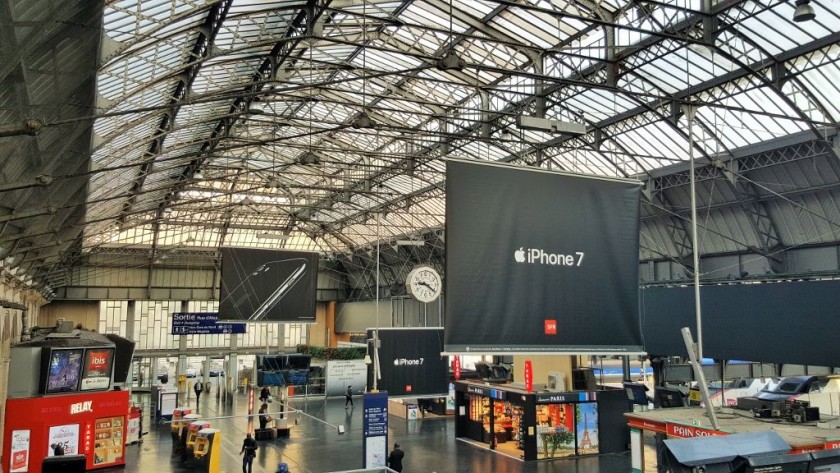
(281, 338)
(129, 320)
(231, 371)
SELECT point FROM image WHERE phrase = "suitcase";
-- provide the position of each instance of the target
(264, 434)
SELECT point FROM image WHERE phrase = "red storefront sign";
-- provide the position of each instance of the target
(832, 444)
(688, 431)
(529, 376)
(91, 424)
(645, 424)
(456, 367)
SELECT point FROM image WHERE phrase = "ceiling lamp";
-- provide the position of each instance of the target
(450, 62)
(364, 121)
(804, 11)
(525, 122)
(309, 158)
(272, 236)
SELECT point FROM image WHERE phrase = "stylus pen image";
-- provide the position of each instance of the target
(279, 293)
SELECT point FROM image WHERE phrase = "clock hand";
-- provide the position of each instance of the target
(425, 284)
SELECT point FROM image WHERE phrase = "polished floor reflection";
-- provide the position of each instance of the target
(315, 447)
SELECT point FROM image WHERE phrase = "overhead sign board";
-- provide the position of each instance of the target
(202, 323)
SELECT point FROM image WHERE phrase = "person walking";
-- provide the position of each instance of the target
(348, 397)
(198, 388)
(249, 448)
(395, 458)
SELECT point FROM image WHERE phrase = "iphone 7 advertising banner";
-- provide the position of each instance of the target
(410, 361)
(539, 261)
(268, 285)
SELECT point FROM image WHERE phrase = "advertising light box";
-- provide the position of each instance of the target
(63, 369)
(97, 369)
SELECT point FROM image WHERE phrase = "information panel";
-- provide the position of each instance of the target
(554, 270)
(375, 447)
(202, 323)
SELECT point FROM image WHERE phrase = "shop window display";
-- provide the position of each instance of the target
(555, 430)
(586, 416)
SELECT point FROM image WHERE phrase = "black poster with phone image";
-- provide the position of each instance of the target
(268, 285)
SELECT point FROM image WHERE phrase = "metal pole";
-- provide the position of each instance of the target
(701, 377)
(376, 332)
(690, 111)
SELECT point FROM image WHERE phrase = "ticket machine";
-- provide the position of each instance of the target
(175, 428)
(183, 431)
(207, 450)
(192, 434)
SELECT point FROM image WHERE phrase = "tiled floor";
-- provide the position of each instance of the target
(314, 447)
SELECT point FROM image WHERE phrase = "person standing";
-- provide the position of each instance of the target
(395, 458)
(348, 397)
(249, 448)
(197, 388)
(265, 418)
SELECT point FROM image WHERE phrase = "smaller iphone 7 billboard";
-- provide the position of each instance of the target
(410, 361)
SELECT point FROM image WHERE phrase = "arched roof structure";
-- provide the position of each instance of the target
(154, 129)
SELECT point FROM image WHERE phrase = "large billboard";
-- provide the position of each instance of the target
(540, 261)
(410, 361)
(268, 285)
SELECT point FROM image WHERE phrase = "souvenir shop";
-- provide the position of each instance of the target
(540, 425)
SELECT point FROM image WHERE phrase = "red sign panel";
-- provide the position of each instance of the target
(550, 327)
(456, 367)
(832, 444)
(94, 423)
(529, 376)
(645, 424)
(99, 363)
(687, 431)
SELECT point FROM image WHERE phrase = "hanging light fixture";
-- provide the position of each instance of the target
(804, 11)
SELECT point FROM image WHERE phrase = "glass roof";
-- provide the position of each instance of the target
(222, 122)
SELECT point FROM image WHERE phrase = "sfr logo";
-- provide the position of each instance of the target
(550, 327)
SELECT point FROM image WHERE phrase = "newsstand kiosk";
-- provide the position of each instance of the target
(62, 400)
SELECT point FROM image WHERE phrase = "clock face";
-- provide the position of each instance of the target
(424, 283)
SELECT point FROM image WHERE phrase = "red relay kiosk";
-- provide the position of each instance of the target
(66, 400)
(91, 424)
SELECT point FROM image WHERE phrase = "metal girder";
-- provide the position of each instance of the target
(766, 232)
(201, 49)
(677, 227)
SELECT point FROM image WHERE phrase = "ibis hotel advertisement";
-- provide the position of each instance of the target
(410, 361)
(554, 270)
(268, 285)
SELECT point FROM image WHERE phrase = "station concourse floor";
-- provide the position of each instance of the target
(314, 447)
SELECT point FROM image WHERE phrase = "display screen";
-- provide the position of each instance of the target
(554, 270)
(268, 285)
(64, 369)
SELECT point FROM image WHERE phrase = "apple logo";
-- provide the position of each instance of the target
(397, 362)
(519, 255)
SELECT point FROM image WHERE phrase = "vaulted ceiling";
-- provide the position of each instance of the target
(166, 126)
